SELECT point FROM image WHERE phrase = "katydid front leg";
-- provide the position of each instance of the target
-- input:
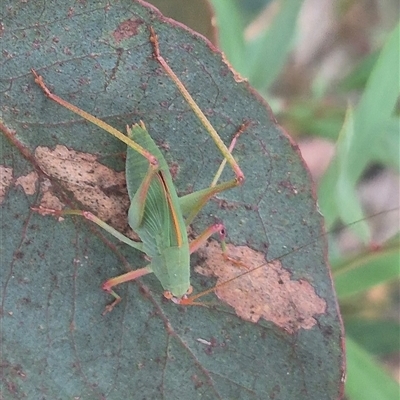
(129, 276)
(156, 213)
(135, 274)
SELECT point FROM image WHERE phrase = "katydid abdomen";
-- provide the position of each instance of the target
(172, 268)
(154, 217)
(157, 214)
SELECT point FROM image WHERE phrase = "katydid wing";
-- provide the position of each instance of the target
(156, 213)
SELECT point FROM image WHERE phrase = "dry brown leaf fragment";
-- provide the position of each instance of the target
(267, 292)
(91, 182)
(28, 182)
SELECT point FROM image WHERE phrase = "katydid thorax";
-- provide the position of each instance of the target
(156, 213)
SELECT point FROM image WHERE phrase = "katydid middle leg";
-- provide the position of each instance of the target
(192, 204)
(164, 214)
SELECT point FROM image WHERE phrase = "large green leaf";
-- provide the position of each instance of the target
(55, 342)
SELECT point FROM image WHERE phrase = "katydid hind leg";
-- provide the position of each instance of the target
(192, 203)
(235, 137)
(196, 109)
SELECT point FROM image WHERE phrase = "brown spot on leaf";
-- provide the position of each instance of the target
(5, 180)
(28, 182)
(88, 180)
(49, 200)
(288, 186)
(267, 292)
(174, 169)
(126, 29)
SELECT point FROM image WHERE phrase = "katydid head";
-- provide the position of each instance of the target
(178, 300)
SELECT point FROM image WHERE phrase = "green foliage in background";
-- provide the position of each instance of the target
(369, 134)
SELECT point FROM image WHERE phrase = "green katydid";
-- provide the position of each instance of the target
(156, 213)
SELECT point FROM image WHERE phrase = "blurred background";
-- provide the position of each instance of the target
(330, 71)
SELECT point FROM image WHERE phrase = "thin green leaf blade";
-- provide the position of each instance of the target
(379, 337)
(231, 32)
(350, 208)
(371, 117)
(266, 54)
(366, 271)
(366, 380)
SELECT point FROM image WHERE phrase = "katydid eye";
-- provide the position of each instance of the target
(190, 290)
(157, 208)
